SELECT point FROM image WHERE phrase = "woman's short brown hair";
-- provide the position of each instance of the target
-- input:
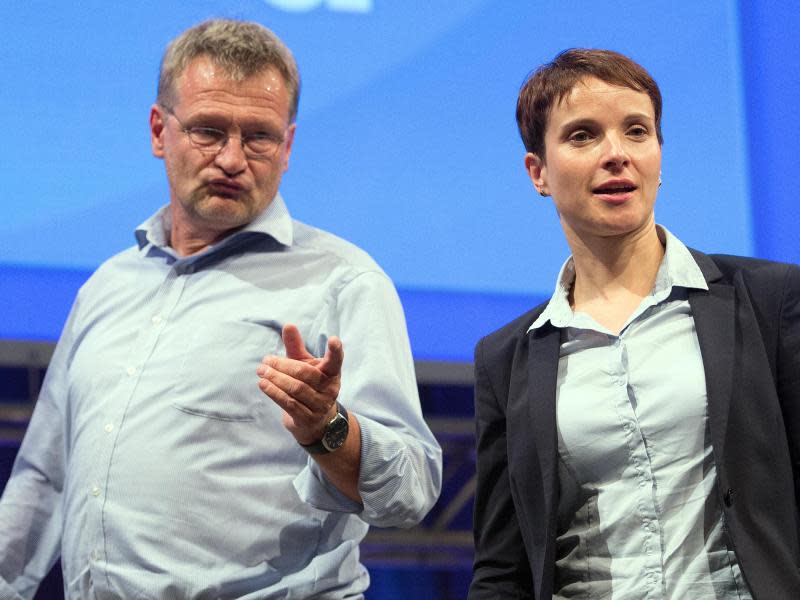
(550, 84)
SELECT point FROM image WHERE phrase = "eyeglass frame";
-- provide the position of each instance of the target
(224, 137)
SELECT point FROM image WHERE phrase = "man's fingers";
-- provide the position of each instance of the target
(331, 363)
(298, 411)
(294, 368)
(295, 348)
(299, 390)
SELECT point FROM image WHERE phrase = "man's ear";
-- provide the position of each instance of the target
(537, 171)
(157, 126)
(289, 141)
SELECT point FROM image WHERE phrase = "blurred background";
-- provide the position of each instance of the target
(406, 146)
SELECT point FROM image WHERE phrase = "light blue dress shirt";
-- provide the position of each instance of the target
(639, 515)
(156, 467)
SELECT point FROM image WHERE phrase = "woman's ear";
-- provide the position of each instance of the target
(537, 171)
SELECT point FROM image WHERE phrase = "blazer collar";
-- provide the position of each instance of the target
(714, 318)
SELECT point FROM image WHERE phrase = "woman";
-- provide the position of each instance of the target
(636, 434)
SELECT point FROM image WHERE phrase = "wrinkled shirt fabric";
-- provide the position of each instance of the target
(156, 468)
(640, 512)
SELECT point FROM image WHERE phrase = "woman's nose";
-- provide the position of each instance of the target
(615, 152)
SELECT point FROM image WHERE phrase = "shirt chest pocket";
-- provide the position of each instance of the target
(217, 374)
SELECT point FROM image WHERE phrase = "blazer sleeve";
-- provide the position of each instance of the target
(501, 568)
(788, 368)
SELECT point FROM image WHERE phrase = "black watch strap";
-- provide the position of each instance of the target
(335, 434)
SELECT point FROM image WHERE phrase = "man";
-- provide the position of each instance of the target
(153, 464)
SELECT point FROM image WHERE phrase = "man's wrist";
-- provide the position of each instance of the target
(334, 435)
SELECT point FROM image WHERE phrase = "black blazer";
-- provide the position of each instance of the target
(748, 326)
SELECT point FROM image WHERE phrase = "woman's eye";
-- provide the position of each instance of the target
(637, 131)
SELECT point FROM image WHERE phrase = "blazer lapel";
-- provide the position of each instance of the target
(542, 380)
(541, 400)
(714, 317)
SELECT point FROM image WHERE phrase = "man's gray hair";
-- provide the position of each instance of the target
(241, 48)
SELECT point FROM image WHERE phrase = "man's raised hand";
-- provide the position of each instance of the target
(304, 386)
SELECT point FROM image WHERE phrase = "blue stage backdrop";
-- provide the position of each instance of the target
(406, 140)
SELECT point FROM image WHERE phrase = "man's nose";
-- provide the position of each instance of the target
(231, 157)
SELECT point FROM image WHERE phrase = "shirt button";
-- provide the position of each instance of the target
(131, 371)
(156, 319)
(93, 555)
(95, 490)
(109, 427)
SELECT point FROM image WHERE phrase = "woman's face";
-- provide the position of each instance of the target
(602, 161)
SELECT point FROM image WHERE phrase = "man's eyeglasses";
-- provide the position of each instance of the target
(210, 140)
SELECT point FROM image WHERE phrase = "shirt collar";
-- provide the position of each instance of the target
(678, 269)
(274, 221)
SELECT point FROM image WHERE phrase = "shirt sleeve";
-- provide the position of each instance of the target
(30, 508)
(401, 462)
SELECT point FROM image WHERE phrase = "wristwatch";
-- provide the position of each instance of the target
(335, 434)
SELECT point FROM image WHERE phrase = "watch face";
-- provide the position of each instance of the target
(336, 433)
